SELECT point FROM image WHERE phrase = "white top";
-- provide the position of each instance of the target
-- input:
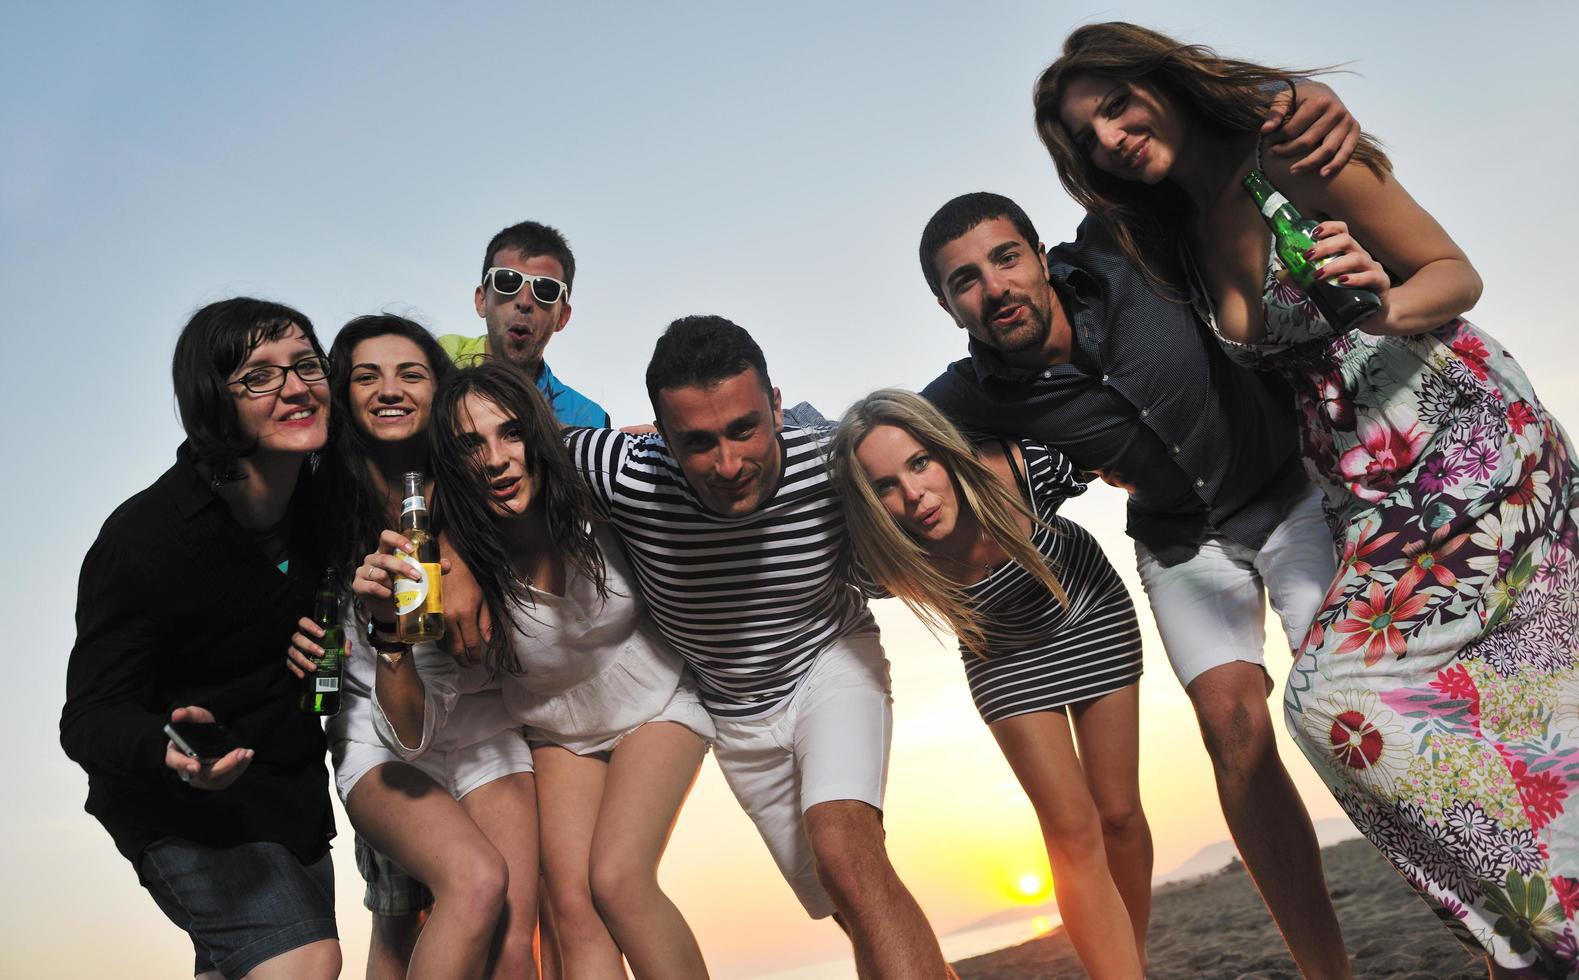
(474, 707)
(591, 667)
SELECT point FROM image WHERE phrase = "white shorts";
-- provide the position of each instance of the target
(827, 741)
(457, 770)
(1210, 610)
(684, 708)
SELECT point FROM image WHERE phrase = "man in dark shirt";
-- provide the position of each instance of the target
(1074, 348)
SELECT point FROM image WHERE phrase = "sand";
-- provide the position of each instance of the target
(1215, 926)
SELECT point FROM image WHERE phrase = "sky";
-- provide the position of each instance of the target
(773, 163)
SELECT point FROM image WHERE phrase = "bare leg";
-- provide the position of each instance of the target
(1108, 733)
(570, 794)
(1041, 750)
(314, 961)
(649, 777)
(1266, 816)
(548, 961)
(891, 935)
(390, 944)
(506, 812)
(403, 813)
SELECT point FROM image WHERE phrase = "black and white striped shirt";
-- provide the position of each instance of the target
(747, 601)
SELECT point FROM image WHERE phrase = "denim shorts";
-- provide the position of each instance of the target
(240, 905)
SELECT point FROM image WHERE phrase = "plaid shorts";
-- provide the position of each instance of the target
(391, 890)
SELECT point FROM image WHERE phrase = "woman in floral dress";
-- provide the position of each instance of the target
(1436, 691)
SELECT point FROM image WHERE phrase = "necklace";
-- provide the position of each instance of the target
(971, 567)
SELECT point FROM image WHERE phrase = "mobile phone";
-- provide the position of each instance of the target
(202, 741)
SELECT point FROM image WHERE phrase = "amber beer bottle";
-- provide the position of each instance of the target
(419, 600)
(321, 689)
(1341, 306)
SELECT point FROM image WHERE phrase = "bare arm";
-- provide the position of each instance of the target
(1437, 281)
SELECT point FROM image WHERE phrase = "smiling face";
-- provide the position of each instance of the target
(1125, 128)
(390, 388)
(293, 420)
(519, 327)
(725, 438)
(994, 284)
(496, 443)
(915, 489)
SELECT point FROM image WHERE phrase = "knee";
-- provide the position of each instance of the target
(1236, 727)
(1073, 834)
(850, 855)
(574, 911)
(621, 884)
(477, 883)
(1121, 816)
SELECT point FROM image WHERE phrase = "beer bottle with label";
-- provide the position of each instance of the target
(1341, 306)
(320, 690)
(419, 596)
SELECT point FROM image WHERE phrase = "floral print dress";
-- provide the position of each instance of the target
(1437, 691)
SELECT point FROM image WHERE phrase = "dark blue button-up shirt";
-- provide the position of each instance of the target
(1149, 401)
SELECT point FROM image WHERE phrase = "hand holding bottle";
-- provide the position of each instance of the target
(374, 583)
(1341, 259)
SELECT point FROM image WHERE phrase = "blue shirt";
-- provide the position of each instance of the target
(570, 405)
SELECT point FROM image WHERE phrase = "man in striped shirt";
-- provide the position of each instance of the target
(738, 541)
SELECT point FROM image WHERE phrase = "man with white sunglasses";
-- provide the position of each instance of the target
(524, 297)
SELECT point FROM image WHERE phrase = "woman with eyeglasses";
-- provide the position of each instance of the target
(618, 729)
(1436, 689)
(968, 537)
(461, 818)
(183, 601)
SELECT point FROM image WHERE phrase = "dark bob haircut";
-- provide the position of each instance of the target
(961, 215)
(215, 342)
(700, 351)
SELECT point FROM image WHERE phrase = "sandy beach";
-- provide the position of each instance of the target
(1215, 926)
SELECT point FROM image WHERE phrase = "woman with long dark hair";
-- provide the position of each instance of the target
(618, 729)
(968, 537)
(1434, 688)
(183, 601)
(460, 819)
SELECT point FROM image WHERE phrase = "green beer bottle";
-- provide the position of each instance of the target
(1341, 306)
(321, 690)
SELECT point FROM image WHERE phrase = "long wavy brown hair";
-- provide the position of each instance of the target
(894, 559)
(463, 512)
(1224, 96)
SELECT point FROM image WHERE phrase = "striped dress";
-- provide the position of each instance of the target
(1041, 654)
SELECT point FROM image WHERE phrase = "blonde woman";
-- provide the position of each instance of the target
(968, 537)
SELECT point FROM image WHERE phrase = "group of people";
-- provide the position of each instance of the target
(621, 601)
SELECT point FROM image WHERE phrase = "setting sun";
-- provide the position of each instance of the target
(1030, 884)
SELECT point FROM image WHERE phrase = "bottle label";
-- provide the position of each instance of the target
(412, 503)
(423, 591)
(1274, 201)
(326, 685)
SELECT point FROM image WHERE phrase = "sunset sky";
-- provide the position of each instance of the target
(773, 163)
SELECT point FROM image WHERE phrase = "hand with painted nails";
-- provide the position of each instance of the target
(1342, 260)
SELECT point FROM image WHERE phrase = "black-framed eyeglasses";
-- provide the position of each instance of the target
(507, 282)
(271, 377)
